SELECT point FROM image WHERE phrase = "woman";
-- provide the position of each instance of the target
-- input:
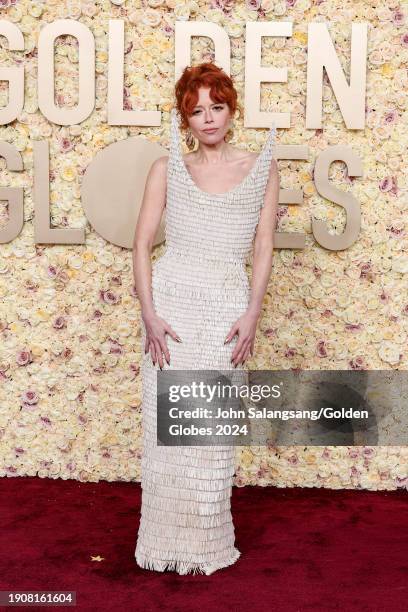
(198, 294)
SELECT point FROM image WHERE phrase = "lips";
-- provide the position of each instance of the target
(210, 131)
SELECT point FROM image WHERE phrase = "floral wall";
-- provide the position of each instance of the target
(70, 348)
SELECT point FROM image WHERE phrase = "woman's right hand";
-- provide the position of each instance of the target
(156, 329)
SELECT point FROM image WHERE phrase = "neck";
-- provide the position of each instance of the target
(213, 154)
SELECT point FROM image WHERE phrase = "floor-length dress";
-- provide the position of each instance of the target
(200, 287)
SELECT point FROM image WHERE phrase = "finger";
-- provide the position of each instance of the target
(246, 355)
(159, 353)
(146, 346)
(165, 350)
(236, 352)
(242, 352)
(252, 347)
(230, 334)
(153, 352)
(173, 334)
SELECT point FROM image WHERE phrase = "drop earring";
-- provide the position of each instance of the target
(190, 140)
(229, 134)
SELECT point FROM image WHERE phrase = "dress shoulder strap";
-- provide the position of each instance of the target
(268, 151)
(175, 156)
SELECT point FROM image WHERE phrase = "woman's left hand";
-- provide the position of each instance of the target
(245, 327)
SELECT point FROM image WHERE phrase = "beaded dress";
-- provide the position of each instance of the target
(200, 287)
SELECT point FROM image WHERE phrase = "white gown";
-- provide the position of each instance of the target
(200, 287)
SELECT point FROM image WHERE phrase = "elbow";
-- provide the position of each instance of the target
(264, 245)
(142, 247)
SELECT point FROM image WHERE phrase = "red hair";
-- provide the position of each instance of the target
(204, 75)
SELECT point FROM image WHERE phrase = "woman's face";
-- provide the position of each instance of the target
(209, 115)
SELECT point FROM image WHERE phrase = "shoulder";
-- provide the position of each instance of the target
(157, 174)
(160, 163)
(159, 167)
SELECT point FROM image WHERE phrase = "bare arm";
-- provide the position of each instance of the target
(154, 201)
(264, 242)
(245, 326)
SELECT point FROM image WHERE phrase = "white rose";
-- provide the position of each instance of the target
(182, 11)
(75, 261)
(280, 8)
(234, 29)
(400, 264)
(35, 9)
(151, 17)
(303, 5)
(15, 14)
(389, 352)
(105, 257)
(194, 7)
(268, 6)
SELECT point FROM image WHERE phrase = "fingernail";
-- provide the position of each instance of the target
(178, 339)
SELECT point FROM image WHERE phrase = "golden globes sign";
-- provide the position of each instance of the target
(113, 184)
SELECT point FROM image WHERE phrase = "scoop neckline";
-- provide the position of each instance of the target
(231, 191)
(225, 193)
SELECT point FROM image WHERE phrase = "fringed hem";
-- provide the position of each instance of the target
(185, 567)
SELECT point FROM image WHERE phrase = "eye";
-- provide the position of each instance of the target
(217, 107)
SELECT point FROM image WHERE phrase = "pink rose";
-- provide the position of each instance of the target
(109, 297)
(253, 5)
(30, 398)
(391, 117)
(59, 323)
(321, 349)
(293, 459)
(398, 18)
(23, 358)
(385, 184)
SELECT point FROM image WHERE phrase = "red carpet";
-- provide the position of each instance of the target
(302, 549)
